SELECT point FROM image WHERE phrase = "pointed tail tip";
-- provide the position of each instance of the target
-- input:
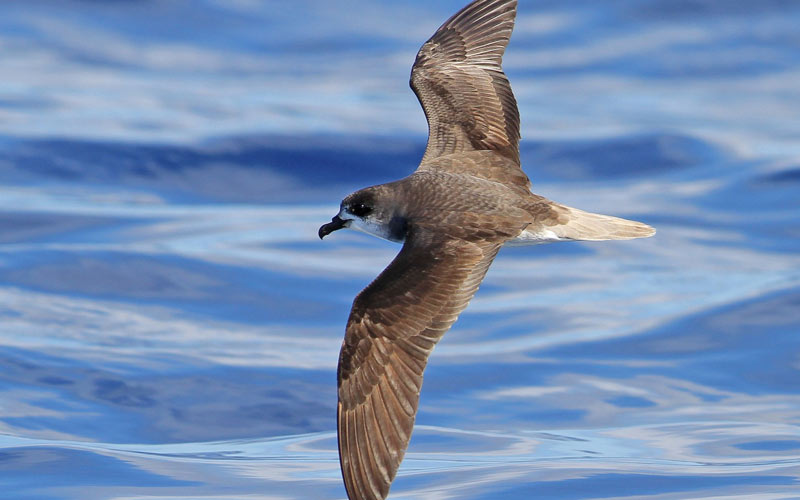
(631, 231)
(647, 231)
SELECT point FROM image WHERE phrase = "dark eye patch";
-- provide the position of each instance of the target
(360, 209)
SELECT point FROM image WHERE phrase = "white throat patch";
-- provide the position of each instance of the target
(370, 227)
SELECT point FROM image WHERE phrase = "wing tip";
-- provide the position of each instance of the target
(483, 27)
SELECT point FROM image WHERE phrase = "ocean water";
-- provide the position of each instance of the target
(170, 322)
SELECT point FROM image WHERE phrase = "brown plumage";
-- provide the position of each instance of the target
(463, 90)
(467, 198)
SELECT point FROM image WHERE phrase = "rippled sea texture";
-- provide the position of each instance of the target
(170, 323)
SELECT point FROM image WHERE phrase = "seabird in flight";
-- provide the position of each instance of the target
(467, 199)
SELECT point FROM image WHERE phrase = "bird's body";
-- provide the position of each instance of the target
(467, 199)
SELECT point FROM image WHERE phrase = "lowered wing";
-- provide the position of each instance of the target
(393, 327)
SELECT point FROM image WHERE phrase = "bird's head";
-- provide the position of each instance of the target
(371, 210)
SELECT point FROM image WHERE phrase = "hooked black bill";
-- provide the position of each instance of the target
(335, 224)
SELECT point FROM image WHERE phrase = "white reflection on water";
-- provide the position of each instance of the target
(717, 72)
(671, 275)
(485, 460)
(634, 401)
(637, 425)
(661, 369)
(112, 333)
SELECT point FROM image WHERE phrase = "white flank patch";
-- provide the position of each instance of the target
(527, 237)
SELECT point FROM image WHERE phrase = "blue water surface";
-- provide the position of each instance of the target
(170, 322)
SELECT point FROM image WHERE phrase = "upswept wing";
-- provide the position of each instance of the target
(458, 79)
(393, 327)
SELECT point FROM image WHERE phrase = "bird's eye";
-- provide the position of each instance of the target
(360, 209)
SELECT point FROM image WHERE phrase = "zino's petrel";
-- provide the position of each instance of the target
(467, 199)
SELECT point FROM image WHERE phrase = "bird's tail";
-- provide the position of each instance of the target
(587, 226)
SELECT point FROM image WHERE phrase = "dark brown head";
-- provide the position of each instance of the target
(372, 210)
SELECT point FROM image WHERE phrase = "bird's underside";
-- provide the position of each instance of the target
(467, 199)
